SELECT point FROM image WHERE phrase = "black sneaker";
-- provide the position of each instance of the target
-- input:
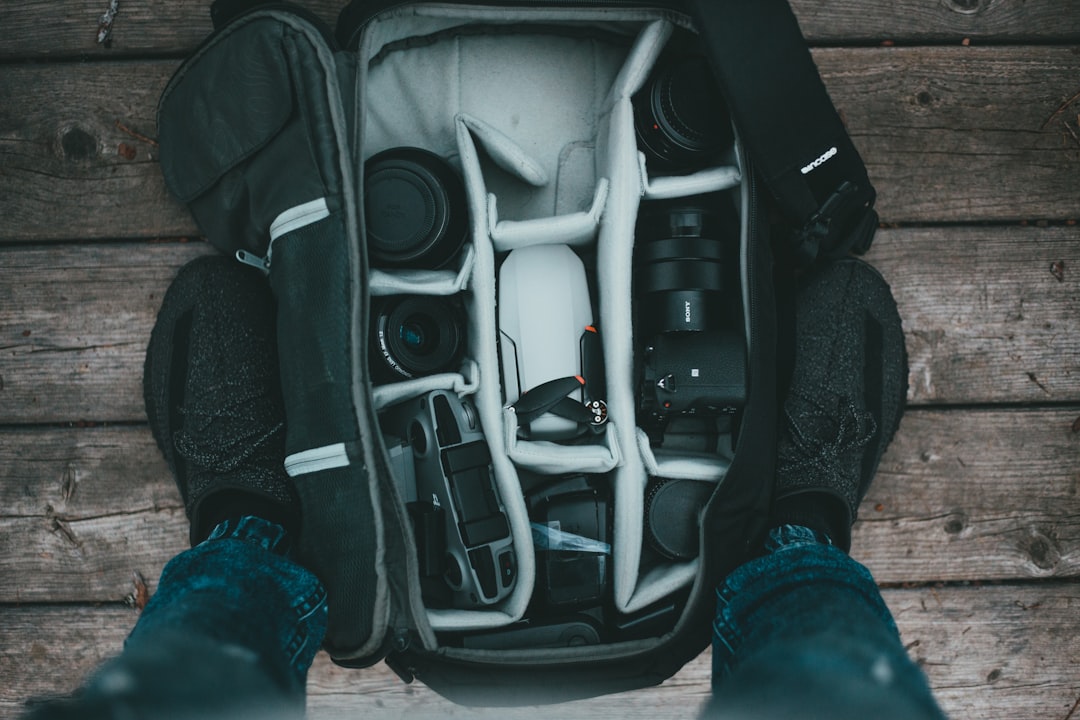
(213, 396)
(847, 392)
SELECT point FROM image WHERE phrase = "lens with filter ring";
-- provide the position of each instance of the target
(680, 116)
(416, 213)
(417, 335)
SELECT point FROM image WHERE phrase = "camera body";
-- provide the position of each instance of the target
(442, 466)
(692, 356)
(700, 374)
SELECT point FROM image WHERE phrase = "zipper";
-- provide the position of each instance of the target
(751, 260)
(262, 264)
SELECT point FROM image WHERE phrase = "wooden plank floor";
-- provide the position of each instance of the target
(966, 112)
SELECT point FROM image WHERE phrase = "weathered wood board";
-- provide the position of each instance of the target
(49, 29)
(948, 134)
(960, 496)
(1001, 652)
(976, 501)
(989, 321)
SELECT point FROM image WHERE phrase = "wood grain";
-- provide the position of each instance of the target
(948, 134)
(960, 496)
(990, 653)
(975, 495)
(74, 325)
(45, 29)
(988, 322)
(989, 313)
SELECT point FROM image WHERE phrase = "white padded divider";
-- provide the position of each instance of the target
(659, 582)
(615, 247)
(698, 466)
(666, 187)
(573, 229)
(550, 458)
(506, 153)
(424, 282)
(464, 383)
(647, 48)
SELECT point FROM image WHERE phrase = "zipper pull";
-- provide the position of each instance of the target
(253, 260)
(397, 664)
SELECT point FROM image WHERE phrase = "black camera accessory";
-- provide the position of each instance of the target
(764, 66)
(416, 335)
(685, 269)
(571, 527)
(701, 373)
(459, 522)
(680, 116)
(415, 209)
(672, 511)
(553, 397)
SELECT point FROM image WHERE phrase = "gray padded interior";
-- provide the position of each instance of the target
(536, 114)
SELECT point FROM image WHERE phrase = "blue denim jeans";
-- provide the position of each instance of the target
(230, 633)
(802, 632)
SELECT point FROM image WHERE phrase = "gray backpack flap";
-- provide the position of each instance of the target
(472, 523)
(254, 138)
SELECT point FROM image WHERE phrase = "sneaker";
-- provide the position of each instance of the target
(847, 391)
(213, 396)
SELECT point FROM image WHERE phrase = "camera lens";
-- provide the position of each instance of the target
(415, 209)
(666, 499)
(682, 270)
(416, 335)
(680, 116)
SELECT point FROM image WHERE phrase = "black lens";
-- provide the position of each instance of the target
(682, 269)
(416, 213)
(416, 335)
(419, 334)
(680, 116)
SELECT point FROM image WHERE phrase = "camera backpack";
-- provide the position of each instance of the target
(267, 133)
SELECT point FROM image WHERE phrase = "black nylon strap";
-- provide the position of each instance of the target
(785, 118)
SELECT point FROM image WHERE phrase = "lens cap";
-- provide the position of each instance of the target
(669, 504)
(415, 209)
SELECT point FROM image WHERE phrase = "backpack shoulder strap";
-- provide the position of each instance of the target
(794, 135)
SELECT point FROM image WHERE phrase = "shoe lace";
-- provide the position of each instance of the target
(227, 423)
(854, 428)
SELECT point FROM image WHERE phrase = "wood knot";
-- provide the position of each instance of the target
(924, 98)
(77, 144)
(1041, 549)
(956, 524)
(965, 7)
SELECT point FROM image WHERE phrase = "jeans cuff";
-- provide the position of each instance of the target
(267, 535)
(791, 536)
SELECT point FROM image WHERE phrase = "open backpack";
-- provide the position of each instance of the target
(523, 259)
